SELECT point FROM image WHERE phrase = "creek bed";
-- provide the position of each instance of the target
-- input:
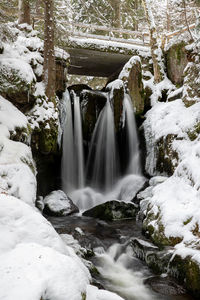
(119, 270)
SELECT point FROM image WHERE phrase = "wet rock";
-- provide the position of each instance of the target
(165, 286)
(78, 88)
(157, 260)
(92, 103)
(61, 70)
(57, 203)
(176, 62)
(112, 210)
(131, 75)
(187, 271)
(116, 90)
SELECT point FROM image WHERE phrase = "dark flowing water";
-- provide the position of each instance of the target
(120, 271)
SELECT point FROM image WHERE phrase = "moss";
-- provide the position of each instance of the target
(194, 133)
(187, 221)
(83, 295)
(187, 271)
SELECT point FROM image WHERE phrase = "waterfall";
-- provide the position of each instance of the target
(78, 143)
(102, 180)
(102, 159)
(72, 159)
(134, 165)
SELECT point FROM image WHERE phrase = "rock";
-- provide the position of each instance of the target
(157, 260)
(58, 204)
(92, 103)
(191, 91)
(187, 271)
(131, 75)
(112, 210)
(165, 286)
(116, 92)
(78, 88)
(177, 94)
(17, 82)
(176, 62)
(167, 157)
(61, 70)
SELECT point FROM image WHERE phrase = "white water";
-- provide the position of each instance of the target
(103, 162)
(72, 159)
(134, 166)
(102, 159)
(78, 143)
(116, 266)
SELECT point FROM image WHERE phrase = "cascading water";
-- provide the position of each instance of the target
(102, 159)
(78, 143)
(134, 166)
(72, 159)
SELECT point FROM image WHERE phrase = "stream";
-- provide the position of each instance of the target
(119, 270)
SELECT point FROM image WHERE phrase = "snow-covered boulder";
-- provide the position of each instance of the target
(17, 80)
(34, 261)
(17, 168)
(57, 203)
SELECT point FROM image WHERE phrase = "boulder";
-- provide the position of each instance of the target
(176, 58)
(112, 210)
(116, 92)
(131, 75)
(58, 204)
(17, 82)
(92, 103)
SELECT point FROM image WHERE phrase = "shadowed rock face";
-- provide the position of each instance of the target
(176, 62)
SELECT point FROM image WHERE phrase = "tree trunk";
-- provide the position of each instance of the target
(49, 54)
(153, 41)
(24, 12)
(186, 21)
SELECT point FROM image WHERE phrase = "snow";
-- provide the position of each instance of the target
(16, 118)
(168, 118)
(128, 66)
(17, 168)
(58, 202)
(31, 271)
(176, 199)
(103, 44)
(93, 293)
(34, 261)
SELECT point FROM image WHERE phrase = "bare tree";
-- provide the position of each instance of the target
(24, 12)
(153, 40)
(49, 54)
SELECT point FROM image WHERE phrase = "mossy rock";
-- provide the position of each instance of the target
(157, 233)
(191, 84)
(167, 157)
(21, 134)
(14, 86)
(112, 210)
(133, 81)
(176, 59)
(187, 271)
(194, 133)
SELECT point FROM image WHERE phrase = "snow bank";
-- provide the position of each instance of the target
(34, 261)
(33, 272)
(17, 169)
(172, 207)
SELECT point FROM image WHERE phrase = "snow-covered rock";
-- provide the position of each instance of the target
(93, 293)
(57, 203)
